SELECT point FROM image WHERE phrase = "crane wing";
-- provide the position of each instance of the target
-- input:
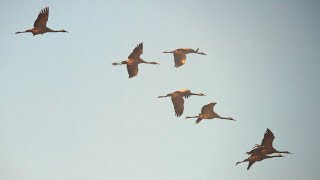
(267, 139)
(198, 120)
(132, 69)
(255, 151)
(42, 19)
(179, 59)
(137, 51)
(208, 108)
(178, 104)
(250, 164)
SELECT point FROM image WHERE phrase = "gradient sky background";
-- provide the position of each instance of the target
(66, 113)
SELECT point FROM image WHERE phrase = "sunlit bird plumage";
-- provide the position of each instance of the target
(266, 146)
(40, 24)
(178, 101)
(257, 157)
(207, 112)
(180, 57)
(134, 60)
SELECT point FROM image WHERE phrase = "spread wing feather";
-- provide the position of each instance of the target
(132, 69)
(42, 19)
(208, 108)
(137, 51)
(179, 59)
(267, 139)
(178, 104)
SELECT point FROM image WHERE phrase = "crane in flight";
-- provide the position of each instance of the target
(134, 60)
(180, 55)
(207, 112)
(40, 25)
(266, 146)
(178, 101)
(257, 157)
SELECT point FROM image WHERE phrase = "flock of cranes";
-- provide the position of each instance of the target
(258, 153)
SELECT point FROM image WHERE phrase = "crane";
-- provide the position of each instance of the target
(257, 157)
(134, 60)
(207, 112)
(40, 24)
(180, 55)
(266, 146)
(178, 101)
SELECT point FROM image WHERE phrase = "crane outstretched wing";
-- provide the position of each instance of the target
(179, 59)
(137, 51)
(267, 139)
(250, 164)
(178, 104)
(198, 120)
(208, 108)
(266, 143)
(132, 69)
(42, 19)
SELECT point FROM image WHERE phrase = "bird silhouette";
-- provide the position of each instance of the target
(257, 157)
(134, 60)
(266, 146)
(207, 112)
(180, 55)
(178, 101)
(40, 25)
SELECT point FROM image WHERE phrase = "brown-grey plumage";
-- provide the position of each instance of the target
(257, 157)
(134, 60)
(42, 19)
(178, 105)
(137, 51)
(40, 24)
(207, 112)
(180, 55)
(178, 101)
(266, 146)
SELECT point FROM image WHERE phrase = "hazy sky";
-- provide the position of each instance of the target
(67, 114)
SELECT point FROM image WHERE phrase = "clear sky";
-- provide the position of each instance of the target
(67, 114)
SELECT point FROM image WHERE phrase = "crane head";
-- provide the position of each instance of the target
(230, 118)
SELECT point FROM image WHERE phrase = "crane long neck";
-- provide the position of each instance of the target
(120, 63)
(285, 152)
(195, 94)
(26, 31)
(145, 62)
(227, 118)
(268, 157)
(164, 96)
(191, 117)
(50, 30)
(168, 52)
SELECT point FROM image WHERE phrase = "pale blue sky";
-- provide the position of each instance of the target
(67, 114)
